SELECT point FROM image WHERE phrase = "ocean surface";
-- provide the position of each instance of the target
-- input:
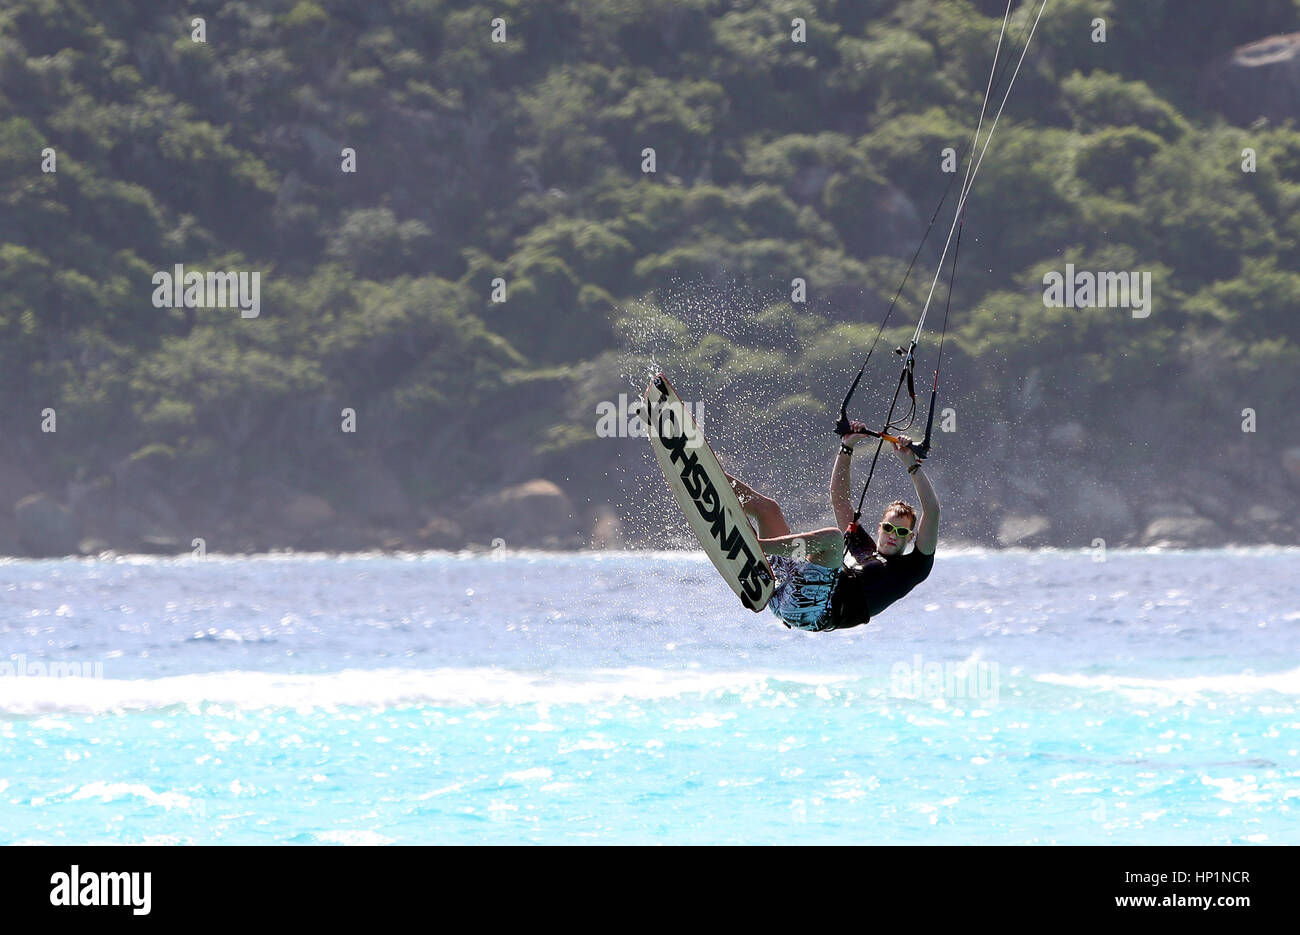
(1013, 698)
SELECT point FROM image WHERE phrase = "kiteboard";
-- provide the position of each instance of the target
(708, 501)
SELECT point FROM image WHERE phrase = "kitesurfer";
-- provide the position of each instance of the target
(839, 576)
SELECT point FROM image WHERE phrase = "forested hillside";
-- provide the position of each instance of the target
(516, 167)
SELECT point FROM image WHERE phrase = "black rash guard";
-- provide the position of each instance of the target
(864, 591)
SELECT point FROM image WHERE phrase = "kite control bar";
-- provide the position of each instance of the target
(845, 427)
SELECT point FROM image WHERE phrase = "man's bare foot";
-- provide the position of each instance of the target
(743, 491)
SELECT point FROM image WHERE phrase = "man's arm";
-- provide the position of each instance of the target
(927, 529)
(841, 502)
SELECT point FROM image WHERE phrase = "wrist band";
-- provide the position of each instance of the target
(846, 449)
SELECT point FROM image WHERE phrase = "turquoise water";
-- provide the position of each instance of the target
(1013, 698)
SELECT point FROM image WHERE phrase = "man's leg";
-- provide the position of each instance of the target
(823, 547)
(764, 510)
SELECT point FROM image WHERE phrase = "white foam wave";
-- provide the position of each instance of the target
(353, 838)
(374, 688)
(1186, 688)
(115, 791)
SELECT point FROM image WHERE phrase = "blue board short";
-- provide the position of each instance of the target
(802, 597)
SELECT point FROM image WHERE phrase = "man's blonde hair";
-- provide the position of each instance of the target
(900, 506)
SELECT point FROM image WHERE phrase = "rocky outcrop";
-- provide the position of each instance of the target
(159, 545)
(46, 528)
(1261, 79)
(376, 492)
(15, 483)
(306, 512)
(439, 532)
(1181, 532)
(1064, 496)
(1291, 464)
(1023, 530)
(607, 530)
(536, 513)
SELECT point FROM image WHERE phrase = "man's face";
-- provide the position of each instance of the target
(889, 541)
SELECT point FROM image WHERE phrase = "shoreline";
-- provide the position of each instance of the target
(487, 554)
